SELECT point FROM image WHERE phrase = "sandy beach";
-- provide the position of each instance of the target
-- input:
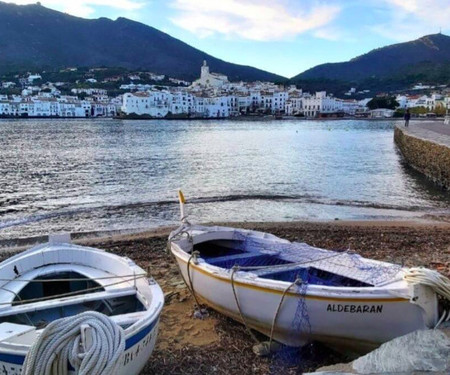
(222, 346)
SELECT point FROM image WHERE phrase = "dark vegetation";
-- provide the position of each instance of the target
(391, 68)
(383, 102)
(37, 38)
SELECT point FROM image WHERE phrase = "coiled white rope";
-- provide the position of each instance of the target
(63, 342)
(439, 283)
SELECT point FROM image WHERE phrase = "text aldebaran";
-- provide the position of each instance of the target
(355, 309)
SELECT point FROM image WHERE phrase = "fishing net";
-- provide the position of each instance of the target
(301, 323)
(285, 261)
(292, 356)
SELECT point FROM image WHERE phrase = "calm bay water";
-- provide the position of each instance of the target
(94, 175)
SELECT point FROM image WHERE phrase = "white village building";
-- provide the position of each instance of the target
(320, 103)
(154, 104)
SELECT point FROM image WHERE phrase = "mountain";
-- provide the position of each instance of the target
(33, 37)
(424, 58)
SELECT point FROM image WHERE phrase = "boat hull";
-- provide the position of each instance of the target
(355, 320)
(129, 298)
(138, 349)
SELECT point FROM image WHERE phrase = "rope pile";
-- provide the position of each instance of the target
(439, 283)
(62, 342)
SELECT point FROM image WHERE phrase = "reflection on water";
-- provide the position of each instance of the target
(87, 175)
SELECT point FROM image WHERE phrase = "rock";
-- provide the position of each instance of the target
(331, 373)
(339, 369)
(427, 350)
(419, 352)
(265, 348)
(201, 314)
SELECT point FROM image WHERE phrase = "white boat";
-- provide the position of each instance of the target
(59, 282)
(295, 293)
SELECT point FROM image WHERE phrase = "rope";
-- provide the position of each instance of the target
(439, 283)
(64, 341)
(424, 276)
(14, 303)
(20, 299)
(443, 319)
(198, 311)
(234, 269)
(191, 285)
(296, 282)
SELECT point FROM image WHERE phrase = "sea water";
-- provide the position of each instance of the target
(104, 174)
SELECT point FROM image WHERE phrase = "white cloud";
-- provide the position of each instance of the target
(260, 20)
(410, 19)
(86, 8)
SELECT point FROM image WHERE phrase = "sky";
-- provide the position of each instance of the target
(285, 37)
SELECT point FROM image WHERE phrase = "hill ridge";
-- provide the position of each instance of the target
(36, 37)
(384, 61)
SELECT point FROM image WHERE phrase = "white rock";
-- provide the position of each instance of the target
(427, 350)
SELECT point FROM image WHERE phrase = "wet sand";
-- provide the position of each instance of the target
(218, 345)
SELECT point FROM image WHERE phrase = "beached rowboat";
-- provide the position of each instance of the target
(61, 282)
(296, 293)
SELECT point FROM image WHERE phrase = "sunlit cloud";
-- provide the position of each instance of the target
(86, 8)
(410, 19)
(261, 20)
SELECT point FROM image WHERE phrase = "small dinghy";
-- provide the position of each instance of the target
(295, 293)
(71, 309)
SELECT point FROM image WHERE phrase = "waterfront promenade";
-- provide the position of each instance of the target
(435, 131)
(425, 146)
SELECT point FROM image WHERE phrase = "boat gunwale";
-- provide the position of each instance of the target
(47, 249)
(125, 284)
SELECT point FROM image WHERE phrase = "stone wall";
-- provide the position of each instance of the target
(429, 158)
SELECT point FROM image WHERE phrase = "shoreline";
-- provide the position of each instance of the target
(22, 243)
(236, 118)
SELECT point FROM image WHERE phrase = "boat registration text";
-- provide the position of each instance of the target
(355, 309)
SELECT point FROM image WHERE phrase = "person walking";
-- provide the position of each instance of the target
(407, 117)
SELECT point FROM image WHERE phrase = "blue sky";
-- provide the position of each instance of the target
(282, 36)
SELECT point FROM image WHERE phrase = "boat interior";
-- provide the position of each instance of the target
(33, 304)
(228, 253)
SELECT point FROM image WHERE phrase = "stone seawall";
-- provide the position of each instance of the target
(425, 155)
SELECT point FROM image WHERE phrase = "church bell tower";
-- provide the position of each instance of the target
(205, 70)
